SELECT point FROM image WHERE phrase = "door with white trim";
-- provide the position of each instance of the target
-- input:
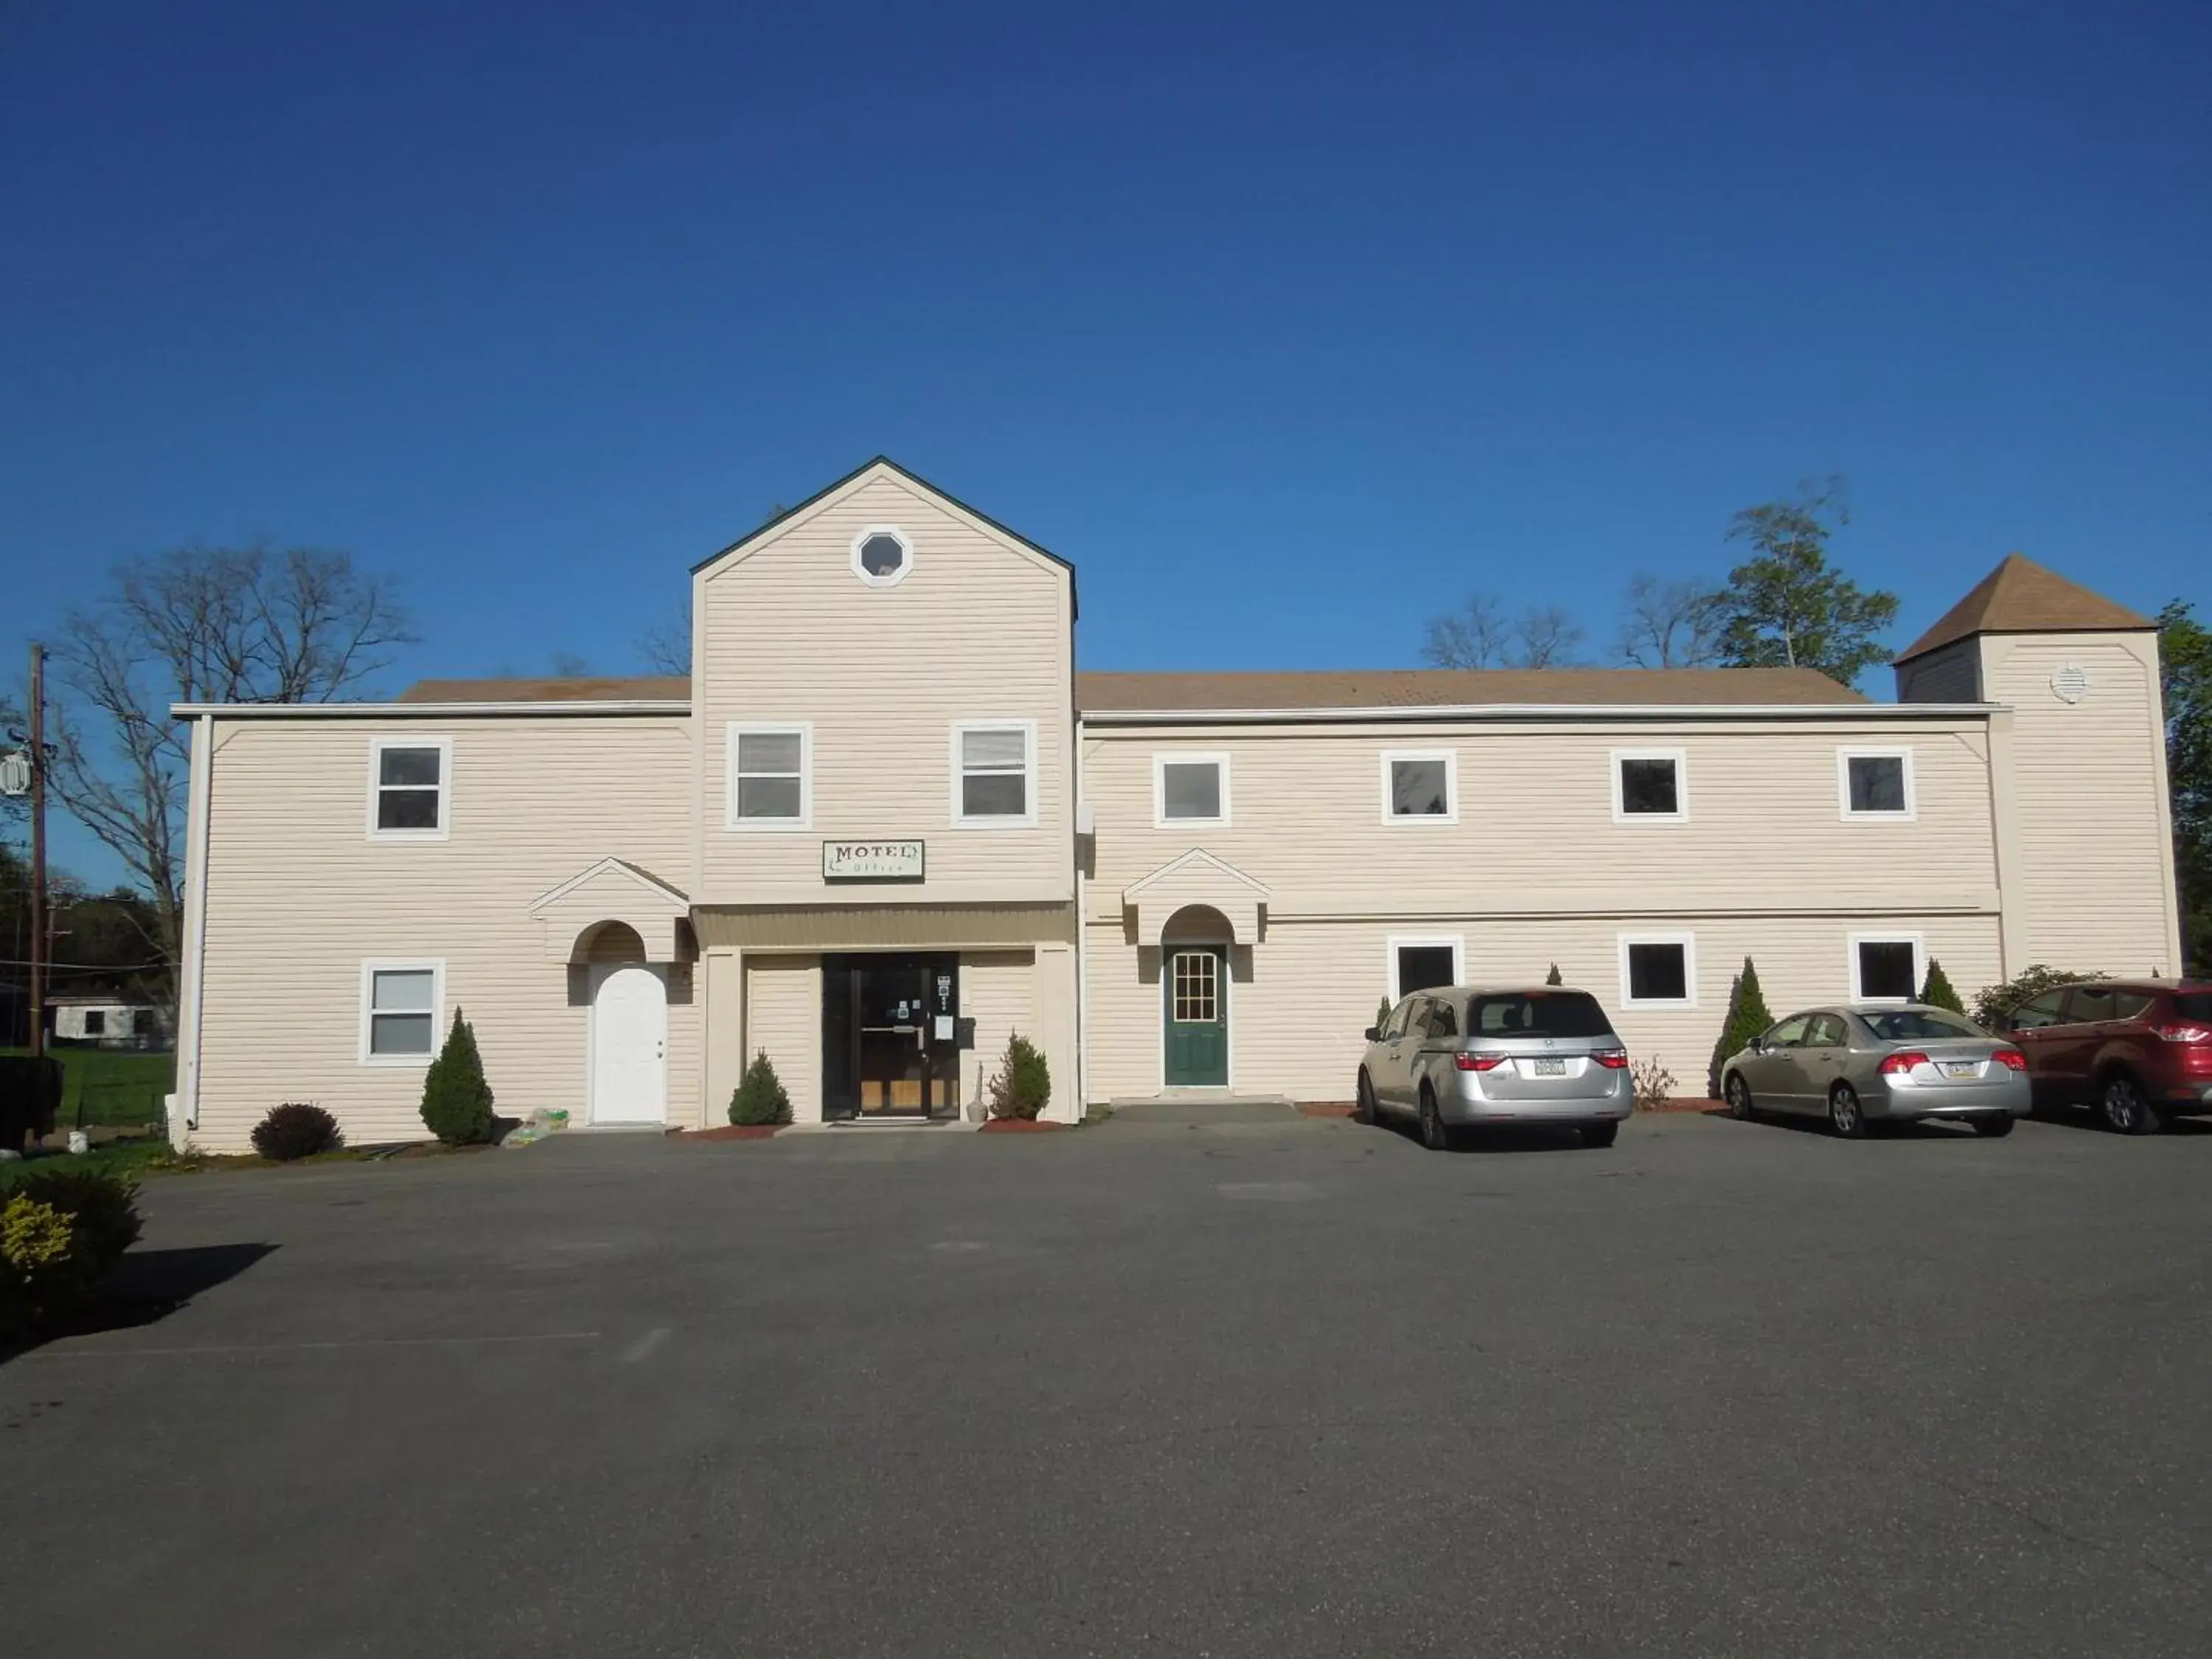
(630, 1043)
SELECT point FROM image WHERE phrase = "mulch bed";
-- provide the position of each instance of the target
(1017, 1126)
(1325, 1108)
(733, 1132)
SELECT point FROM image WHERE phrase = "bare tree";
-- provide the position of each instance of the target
(666, 647)
(198, 626)
(1480, 635)
(1547, 637)
(1669, 624)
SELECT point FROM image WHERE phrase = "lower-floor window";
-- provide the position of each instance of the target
(399, 1011)
(1886, 969)
(1422, 965)
(1658, 970)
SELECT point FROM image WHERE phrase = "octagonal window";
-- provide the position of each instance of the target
(881, 555)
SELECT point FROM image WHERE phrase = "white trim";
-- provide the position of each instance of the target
(410, 711)
(803, 731)
(861, 537)
(436, 967)
(1396, 942)
(1919, 944)
(191, 994)
(1449, 757)
(1845, 755)
(1681, 813)
(1228, 993)
(1184, 860)
(1163, 758)
(653, 885)
(1689, 944)
(1027, 818)
(444, 745)
(1407, 714)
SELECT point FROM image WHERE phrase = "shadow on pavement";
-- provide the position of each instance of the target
(148, 1286)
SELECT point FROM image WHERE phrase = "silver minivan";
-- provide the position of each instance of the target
(1463, 1055)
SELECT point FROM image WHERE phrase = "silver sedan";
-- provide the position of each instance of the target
(1863, 1064)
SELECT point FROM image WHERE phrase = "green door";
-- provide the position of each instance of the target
(1195, 997)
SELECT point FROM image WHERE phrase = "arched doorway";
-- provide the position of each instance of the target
(629, 1061)
(1194, 999)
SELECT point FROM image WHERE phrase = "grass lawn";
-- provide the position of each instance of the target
(119, 1088)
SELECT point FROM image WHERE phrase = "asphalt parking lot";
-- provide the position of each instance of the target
(1724, 1389)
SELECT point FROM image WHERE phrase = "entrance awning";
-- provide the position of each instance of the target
(1198, 877)
(613, 890)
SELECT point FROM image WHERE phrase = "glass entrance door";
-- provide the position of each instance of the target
(889, 1025)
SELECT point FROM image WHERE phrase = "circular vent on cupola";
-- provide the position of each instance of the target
(2070, 684)
(881, 555)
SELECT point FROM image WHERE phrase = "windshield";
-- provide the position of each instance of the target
(1538, 1013)
(1910, 1025)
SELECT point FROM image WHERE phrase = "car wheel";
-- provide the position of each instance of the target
(1739, 1098)
(1996, 1126)
(2123, 1109)
(1363, 1107)
(1846, 1116)
(1600, 1134)
(1436, 1134)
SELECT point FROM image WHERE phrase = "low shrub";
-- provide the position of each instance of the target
(1382, 1013)
(60, 1232)
(1993, 1003)
(1653, 1085)
(456, 1099)
(1935, 990)
(759, 1098)
(1747, 1017)
(1554, 978)
(1024, 1085)
(296, 1129)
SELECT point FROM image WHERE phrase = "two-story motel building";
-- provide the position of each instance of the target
(885, 822)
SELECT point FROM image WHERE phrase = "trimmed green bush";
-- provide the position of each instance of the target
(1993, 1003)
(60, 1233)
(1747, 1017)
(456, 1099)
(759, 1098)
(296, 1130)
(1552, 978)
(1382, 1013)
(1935, 991)
(1024, 1085)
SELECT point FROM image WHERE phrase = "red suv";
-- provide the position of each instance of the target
(2139, 1050)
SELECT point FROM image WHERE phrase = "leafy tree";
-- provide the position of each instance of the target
(1786, 606)
(1747, 1017)
(1669, 624)
(1480, 635)
(1935, 990)
(456, 1098)
(1993, 1003)
(2185, 677)
(759, 1098)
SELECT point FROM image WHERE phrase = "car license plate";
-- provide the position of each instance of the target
(1550, 1068)
(1963, 1067)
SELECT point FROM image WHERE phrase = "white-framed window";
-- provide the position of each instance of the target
(771, 776)
(1875, 784)
(1420, 785)
(1189, 789)
(1650, 786)
(410, 785)
(1887, 967)
(1658, 970)
(881, 555)
(403, 1005)
(1421, 962)
(995, 773)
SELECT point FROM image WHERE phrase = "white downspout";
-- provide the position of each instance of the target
(185, 1104)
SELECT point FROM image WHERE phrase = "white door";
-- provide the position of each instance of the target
(630, 1044)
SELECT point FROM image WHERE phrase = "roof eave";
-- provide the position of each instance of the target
(1384, 713)
(418, 710)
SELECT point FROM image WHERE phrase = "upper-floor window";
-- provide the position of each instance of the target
(771, 777)
(409, 781)
(1875, 783)
(1650, 786)
(1189, 789)
(881, 555)
(1420, 785)
(995, 773)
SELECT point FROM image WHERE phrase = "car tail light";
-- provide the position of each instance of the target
(2011, 1059)
(1613, 1059)
(1902, 1065)
(2186, 1033)
(1467, 1062)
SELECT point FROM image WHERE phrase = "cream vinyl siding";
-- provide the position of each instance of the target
(1535, 828)
(2094, 888)
(298, 898)
(1302, 997)
(979, 631)
(783, 1015)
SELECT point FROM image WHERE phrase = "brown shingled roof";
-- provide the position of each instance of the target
(641, 688)
(2021, 597)
(1434, 688)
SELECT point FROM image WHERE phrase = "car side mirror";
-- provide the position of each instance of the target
(1375, 1034)
(1758, 1045)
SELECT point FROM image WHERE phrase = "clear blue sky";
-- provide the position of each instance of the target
(1288, 326)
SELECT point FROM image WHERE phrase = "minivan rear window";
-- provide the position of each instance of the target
(1538, 1013)
(2193, 1005)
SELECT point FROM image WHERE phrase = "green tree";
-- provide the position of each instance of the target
(1023, 1083)
(1552, 978)
(759, 1098)
(2185, 677)
(1935, 990)
(456, 1098)
(1382, 1013)
(1747, 1017)
(1786, 606)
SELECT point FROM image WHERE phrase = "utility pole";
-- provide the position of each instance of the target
(38, 851)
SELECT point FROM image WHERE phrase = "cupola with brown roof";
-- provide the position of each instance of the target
(2021, 597)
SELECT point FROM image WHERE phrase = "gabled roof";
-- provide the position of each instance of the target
(615, 866)
(2021, 597)
(1198, 858)
(1457, 687)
